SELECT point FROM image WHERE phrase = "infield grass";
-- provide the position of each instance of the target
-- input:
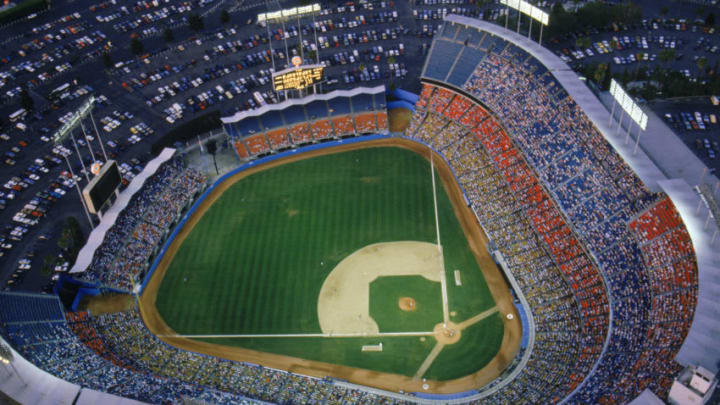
(256, 260)
(385, 292)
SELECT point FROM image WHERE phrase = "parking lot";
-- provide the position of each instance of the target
(59, 58)
(695, 120)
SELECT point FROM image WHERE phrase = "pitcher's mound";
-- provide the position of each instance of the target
(407, 304)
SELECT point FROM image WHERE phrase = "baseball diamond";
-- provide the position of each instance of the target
(298, 264)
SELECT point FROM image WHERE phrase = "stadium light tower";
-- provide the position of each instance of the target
(67, 130)
(629, 106)
(534, 13)
(280, 16)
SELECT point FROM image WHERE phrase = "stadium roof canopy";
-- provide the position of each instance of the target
(239, 116)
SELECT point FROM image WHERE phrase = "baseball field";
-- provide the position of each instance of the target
(328, 263)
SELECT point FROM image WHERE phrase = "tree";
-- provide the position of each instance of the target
(599, 75)
(664, 10)
(607, 78)
(168, 35)
(710, 19)
(48, 265)
(666, 55)
(196, 22)
(26, 100)
(701, 64)
(211, 146)
(224, 17)
(71, 238)
(107, 60)
(136, 46)
(583, 42)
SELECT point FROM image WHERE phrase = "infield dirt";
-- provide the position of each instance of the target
(477, 241)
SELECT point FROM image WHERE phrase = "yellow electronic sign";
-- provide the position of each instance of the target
(297, 79)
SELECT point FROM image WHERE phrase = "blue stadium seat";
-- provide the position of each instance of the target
(339, 106)
(248, 126)
(316, 109)
(294, 114)
(441, 59)
(362, 103)
(469, 58)
(272, 119)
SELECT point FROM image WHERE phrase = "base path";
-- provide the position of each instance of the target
(429, 360)
(477, 240)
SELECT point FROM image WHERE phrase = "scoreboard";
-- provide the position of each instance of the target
(102, 187)
(297, 78)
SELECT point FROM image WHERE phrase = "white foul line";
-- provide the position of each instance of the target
(443, 289)
(301, 335)
(437, 222)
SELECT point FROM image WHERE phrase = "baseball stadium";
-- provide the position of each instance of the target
(490, 240)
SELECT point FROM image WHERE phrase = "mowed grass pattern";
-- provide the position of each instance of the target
(256, 260)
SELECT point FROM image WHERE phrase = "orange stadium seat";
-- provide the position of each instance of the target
(257, 144)
(343, 125)
(365, 123)
(457, 107)
(473, 117)
(425, 96)
(382, 121)
(322, 129)
(240, 148)
(440, 100)
(278, 138)
(300, 133)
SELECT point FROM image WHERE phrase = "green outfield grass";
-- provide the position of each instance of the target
(255, 262)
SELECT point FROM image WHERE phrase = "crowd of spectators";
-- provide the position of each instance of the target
(548, 189)
(115, 353)
(140, 228)
(499, 188)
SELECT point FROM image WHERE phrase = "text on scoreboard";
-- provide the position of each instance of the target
(297, 79)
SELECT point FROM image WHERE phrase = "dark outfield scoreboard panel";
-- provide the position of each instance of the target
(298, 79)
(102, 187)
